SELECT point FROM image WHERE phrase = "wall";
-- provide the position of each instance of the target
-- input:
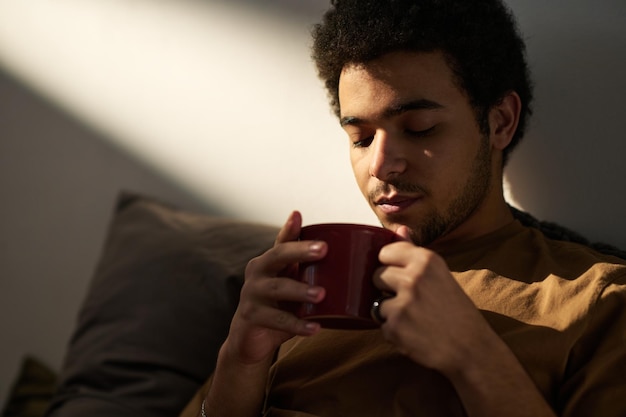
(215, 105)
(58, 182)
(570, 166)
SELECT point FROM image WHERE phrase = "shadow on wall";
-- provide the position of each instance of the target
(297, 9)
(570, 168)
(58, 181)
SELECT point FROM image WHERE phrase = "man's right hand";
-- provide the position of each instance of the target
(259, 326)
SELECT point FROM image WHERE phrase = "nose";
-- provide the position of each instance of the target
(387, 157)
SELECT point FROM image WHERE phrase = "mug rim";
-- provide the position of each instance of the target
(352, 226)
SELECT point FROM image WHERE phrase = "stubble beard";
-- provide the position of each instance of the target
(438, 223)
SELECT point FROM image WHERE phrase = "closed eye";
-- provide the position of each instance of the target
(363, 143)
(419, 133)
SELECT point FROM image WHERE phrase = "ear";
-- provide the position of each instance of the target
(503, 120)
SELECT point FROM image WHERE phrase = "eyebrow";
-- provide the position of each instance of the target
(395, 110)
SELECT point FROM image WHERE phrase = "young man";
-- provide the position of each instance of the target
(488, 317)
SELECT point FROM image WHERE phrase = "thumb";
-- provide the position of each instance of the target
(404, 232)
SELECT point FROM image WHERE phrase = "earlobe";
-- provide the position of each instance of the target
(503, 120)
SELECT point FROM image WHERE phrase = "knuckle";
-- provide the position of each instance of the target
(386, 251)
(430, 256)
(252, 266)
(273, 287)
(283, 318)
(406, 281)
(248, 311)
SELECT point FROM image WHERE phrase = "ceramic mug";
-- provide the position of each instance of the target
(345, 272)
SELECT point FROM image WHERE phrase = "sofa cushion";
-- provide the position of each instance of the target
(156, 311)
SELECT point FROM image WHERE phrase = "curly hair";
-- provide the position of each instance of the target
(479, 38)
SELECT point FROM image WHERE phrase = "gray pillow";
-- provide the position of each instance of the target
(156, 311)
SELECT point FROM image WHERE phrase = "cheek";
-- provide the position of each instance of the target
(440, 169)
(360, 169)
(453, 170)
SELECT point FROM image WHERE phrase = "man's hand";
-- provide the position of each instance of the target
(431, 320)
(259, 325)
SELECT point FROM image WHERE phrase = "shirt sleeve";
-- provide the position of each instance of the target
(595, 379)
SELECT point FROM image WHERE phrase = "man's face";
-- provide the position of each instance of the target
(416, 149)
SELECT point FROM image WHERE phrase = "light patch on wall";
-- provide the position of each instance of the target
(222, 100)
(509, 196)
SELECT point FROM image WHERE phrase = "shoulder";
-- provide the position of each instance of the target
(567, 257)
(559, 233)
(525, 255)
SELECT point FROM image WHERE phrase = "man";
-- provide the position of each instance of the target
(488, 317)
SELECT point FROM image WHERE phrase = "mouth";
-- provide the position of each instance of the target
(394, 204)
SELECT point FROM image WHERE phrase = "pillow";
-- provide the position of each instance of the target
(156, 311)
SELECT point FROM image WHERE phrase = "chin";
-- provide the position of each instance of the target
(392, 222)
(393, 225)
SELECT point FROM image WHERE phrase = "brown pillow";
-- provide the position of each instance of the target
(156, 311)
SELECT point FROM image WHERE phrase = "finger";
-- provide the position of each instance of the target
(404, 232)
(276, 259)
(285, 289)
(386, 279)
(291, 229)
(399, 253)
(284, 321)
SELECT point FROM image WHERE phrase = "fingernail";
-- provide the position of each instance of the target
(313, 292)
(316, 247)
(311, 327)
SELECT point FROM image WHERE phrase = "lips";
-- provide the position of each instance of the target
(395, 204)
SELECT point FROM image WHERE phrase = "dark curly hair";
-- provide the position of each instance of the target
(479, 39)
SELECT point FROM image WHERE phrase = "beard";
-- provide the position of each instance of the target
(437, 223)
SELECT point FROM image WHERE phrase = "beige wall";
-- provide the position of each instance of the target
(219, 109)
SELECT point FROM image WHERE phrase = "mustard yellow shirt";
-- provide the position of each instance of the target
(559, 306)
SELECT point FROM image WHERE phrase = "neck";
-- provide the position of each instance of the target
(492, 214)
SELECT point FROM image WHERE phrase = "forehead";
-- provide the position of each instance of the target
(395, 78)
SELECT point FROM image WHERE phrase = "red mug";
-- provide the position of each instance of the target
(345, 272)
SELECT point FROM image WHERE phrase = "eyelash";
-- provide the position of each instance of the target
(364, 143)
(420, 133)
